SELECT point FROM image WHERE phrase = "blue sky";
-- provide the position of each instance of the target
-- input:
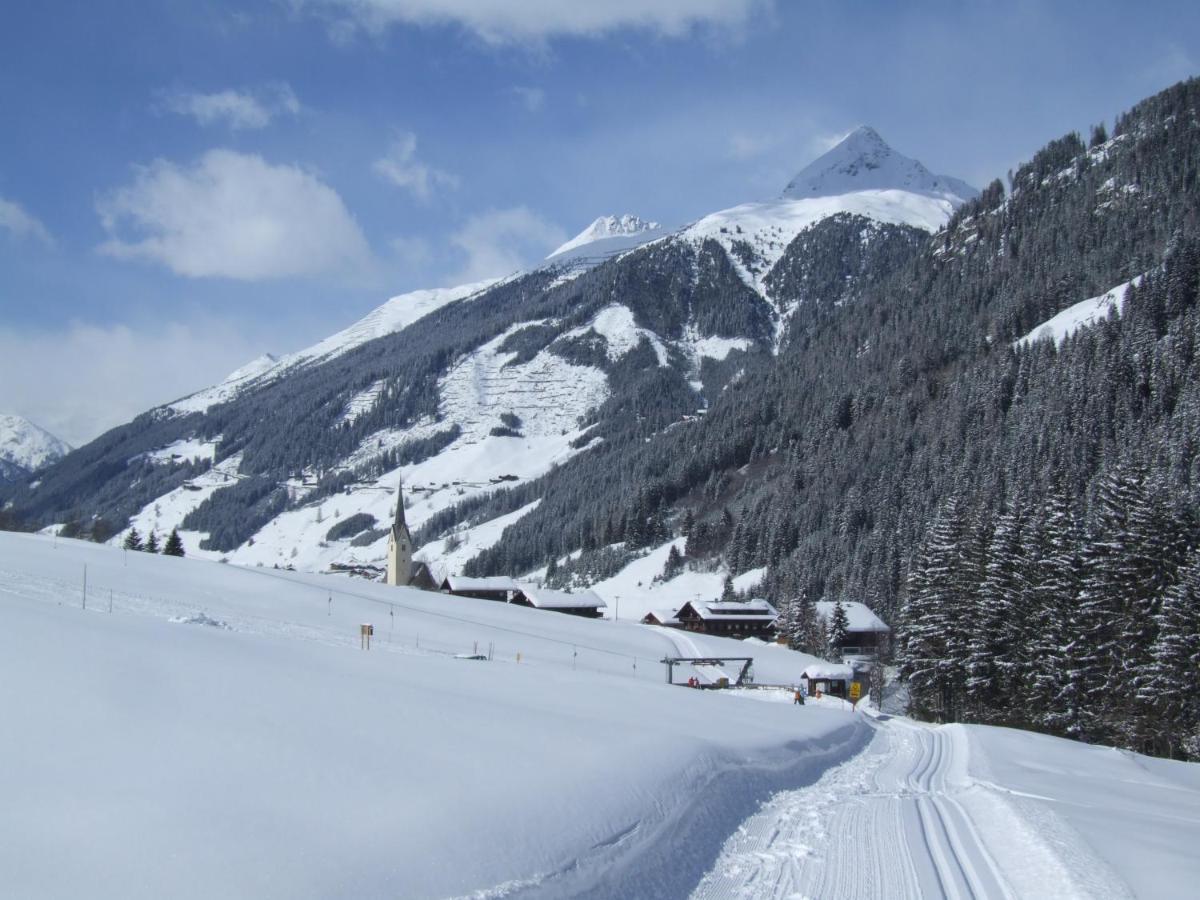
(187, 184)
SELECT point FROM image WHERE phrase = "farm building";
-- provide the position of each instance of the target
(583, 603)
(866, 633)
(499, 588)
(752, 618)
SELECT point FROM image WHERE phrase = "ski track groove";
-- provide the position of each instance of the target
(884, 823)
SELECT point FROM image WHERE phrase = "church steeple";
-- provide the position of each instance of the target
(399, 523)
(400, 549)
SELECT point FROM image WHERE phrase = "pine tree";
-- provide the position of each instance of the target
(1172, 687)
(1053, 590)
(991, 666)
(151, 545)
(674, 564)
(838, 626)
(727, 590)
(934, 635)
(174, 544)
(133, 540)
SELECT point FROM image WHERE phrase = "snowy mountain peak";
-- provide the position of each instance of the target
(608, 227)
(863, 161)
(28, 446)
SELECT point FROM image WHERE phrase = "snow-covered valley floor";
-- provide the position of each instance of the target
(221, 733)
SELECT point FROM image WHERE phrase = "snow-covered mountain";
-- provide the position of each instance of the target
(861, 176)
(26, 447)
(554, 346)
(608, 227)
(863, 161)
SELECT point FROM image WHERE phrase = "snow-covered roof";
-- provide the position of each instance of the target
(544, 598)
(733, 610)
(858, 616)
(666, 616)
(493, 583)
(831, 671)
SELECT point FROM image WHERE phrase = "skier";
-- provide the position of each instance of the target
(798, 698)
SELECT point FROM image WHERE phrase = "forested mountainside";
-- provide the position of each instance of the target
(1026, 510)
(849, 404)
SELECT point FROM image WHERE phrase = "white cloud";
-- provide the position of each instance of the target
(232, 215)
(747, 146)
(22, 225)
(85, 379)
(505, 21)
(412, 252)
(401, 167)
(532, 98)
(235, 108)
(500, 242)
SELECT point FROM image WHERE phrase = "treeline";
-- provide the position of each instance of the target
(1028, 617)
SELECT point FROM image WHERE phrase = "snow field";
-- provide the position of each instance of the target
(271, 757)
(1081, 315)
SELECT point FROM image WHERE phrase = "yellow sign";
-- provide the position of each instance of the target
(855, 690)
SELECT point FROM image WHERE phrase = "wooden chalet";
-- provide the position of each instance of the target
(583, 603)
(866, 633)
(752, 618)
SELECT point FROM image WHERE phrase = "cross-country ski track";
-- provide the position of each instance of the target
(903, 819)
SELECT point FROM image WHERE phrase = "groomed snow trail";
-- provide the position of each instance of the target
(887, 823)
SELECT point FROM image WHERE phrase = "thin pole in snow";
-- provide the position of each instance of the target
(85, 585)
(329, 608)
(110, 599)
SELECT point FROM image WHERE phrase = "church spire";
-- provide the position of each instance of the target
(400, 524)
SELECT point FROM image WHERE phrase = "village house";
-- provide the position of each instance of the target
(866, 633)
(584, 603)
(752, 618)
(664, 618)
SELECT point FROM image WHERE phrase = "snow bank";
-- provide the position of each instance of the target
(1111, 818)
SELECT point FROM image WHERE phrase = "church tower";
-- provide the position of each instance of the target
(400, 549)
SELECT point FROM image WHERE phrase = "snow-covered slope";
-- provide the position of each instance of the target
(1082, 314)
(221, 734)
(396, 314)
(26, 447)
